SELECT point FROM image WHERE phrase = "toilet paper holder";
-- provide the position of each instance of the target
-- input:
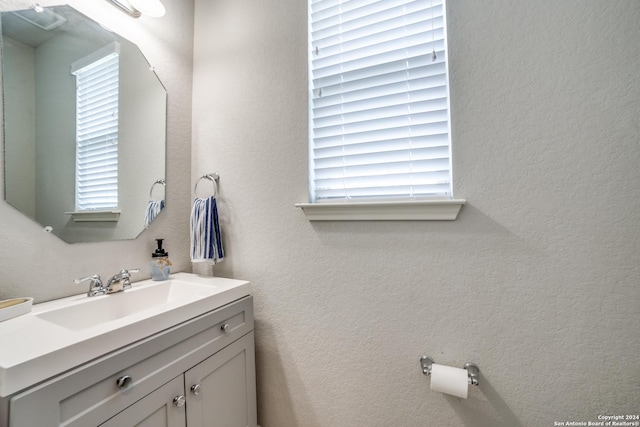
(472, 369)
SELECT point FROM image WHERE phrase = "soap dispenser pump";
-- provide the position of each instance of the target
(160, 264)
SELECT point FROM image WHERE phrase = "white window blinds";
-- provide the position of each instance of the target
(379, 116)
(97, 132)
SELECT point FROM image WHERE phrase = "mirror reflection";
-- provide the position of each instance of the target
(84, 126)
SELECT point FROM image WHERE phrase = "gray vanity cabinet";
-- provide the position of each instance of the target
(154, 410)
(198, 373)
(220, 389)
(219, 393)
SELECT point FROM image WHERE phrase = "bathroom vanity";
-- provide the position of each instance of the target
(184, 357)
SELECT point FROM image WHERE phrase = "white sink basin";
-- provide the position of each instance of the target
(59, 335)
(94, 311)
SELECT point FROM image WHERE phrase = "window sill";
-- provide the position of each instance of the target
(424, 210)
(95, 216)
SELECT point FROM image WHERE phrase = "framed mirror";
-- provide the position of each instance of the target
(84, 126)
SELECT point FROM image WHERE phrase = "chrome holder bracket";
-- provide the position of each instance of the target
(473, 371)
(426, 362)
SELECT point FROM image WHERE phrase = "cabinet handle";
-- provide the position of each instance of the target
(195, 389)
(124, 381)
(226, 328)
(179, 401)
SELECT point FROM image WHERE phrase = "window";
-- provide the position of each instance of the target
(378, 101)
(97, 130)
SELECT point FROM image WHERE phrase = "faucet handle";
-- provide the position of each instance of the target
(126, 274)
(94, 279)
(95, 287)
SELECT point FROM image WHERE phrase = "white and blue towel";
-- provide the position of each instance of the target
(154, 207)
(206, 238)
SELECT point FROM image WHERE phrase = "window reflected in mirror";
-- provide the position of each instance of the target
(83, 166)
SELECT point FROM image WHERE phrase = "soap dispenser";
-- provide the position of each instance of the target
(160, 264)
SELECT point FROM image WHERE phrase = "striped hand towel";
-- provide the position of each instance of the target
(153, 209)
(206, 238)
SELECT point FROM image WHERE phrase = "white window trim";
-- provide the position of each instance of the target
(95, 216)
(400, 209)
(423, 210)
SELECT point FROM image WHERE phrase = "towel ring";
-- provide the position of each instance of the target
(213, 177)
(160, 181)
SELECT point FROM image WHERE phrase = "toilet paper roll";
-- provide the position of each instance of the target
(450, 380)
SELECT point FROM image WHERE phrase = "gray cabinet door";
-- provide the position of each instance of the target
(226, 393)
(155, 410)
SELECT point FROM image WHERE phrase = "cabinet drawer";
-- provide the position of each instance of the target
(90, 395)
(156, 410)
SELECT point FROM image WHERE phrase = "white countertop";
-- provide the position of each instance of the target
(33, 349)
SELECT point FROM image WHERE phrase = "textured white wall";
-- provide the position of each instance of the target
(33, 263)
(537, 281)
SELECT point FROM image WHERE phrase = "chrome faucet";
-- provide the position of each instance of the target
(118, 282)
(95, 287)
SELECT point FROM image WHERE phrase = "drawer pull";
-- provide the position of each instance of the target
(179, 401)
(195, 389)
(226, 328)
(124, 382)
